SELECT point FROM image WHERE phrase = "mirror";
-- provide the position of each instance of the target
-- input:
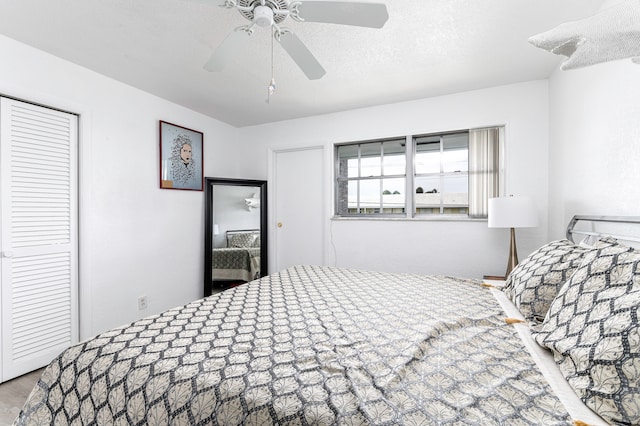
(235, 243)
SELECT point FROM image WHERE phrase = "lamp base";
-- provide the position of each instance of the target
(493, 277)
(513, 254)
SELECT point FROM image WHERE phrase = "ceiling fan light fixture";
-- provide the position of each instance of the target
(263, 16)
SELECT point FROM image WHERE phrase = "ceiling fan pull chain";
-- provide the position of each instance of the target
(271, 88)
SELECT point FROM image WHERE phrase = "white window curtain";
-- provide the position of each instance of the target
(484, 168)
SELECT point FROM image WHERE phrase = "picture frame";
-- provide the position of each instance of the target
(181, 157)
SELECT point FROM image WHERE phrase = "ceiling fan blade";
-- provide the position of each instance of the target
(229, 48)
(301, 55)
(209, 2)
(373, 15)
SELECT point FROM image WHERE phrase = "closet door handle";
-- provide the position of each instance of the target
(7, 254)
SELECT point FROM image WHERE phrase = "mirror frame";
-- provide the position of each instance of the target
(208, 224)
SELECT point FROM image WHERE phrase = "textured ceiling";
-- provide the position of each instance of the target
(427, 48)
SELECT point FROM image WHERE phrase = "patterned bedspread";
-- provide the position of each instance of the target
(307, 346)
(235, 263)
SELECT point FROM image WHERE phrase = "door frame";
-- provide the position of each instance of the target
(325, 200)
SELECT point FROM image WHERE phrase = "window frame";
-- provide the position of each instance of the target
(382, 177)
(410, 178)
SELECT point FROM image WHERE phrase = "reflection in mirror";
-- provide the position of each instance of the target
(235, 232)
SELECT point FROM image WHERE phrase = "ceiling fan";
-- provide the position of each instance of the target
(271, 13)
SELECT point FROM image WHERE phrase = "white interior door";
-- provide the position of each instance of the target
(38, 235)
(298, 215)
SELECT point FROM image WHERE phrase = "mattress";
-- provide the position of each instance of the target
(310, 345)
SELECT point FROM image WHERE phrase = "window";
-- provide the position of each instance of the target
(442, 174)
(452, 174)
(371, 178)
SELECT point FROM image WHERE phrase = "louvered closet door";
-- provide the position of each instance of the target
(38, 238)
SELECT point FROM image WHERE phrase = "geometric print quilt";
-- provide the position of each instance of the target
(306, 346)
(234, 258)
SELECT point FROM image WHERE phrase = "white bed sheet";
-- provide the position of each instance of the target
(574, 405)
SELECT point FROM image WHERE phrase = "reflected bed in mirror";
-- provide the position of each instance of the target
(235, 232)
(239, 260)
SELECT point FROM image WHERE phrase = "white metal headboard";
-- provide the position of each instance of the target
(232, 232)
(610, 231)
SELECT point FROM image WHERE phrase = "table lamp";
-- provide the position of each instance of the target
(512, 212)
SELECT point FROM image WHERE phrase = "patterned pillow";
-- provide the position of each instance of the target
(602, 242)
(534, 283)
(593, 330)
(242, 240)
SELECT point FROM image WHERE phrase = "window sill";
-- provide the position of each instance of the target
(439, 218)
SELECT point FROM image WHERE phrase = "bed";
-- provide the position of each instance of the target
(313, 345)
(240, 259)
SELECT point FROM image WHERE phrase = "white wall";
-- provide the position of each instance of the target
(135, 239)
(435, 247)
(594, 152)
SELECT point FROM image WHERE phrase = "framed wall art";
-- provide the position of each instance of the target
(181, 158)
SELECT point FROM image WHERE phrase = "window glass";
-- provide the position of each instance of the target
(394, 160)
(428, 184)
(455, 155)
(393, 196)
(370, 193)
(370, 160)
(348, 160)
(394, 186)
(352, 197)
(428, 193)
(454, 184)
(353, 165)
(428, 155)
(455, 194)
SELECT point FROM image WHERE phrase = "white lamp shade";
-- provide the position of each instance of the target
(512, 212)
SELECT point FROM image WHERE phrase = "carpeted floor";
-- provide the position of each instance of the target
(13, 395)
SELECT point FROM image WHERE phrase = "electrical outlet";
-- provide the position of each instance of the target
(142, 303)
